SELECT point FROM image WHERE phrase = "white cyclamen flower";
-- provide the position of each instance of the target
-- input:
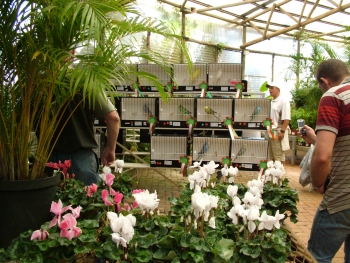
(118, 166)
(212, 222)
(266, 221)
(146, 201)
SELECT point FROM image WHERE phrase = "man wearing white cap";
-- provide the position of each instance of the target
(280, 114)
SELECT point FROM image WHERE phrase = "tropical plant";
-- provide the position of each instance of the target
(213, 220)
(42, 68)
(306, 95)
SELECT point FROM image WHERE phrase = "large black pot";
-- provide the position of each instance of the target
(25, 205)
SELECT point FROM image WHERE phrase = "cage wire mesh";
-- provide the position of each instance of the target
(251, 110)
(168, 147)
(210, 149)
(157, 71)
(137, 108)
(220, 109)
(176, 109)
(249, 151)
(183, 77)
(224, 74)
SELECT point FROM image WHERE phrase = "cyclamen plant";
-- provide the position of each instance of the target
(213, 220)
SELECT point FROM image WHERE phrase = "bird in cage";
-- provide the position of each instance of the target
(146, 110)
(241, 151)
(183, 110)
(204, 149)
(210, 111)
(256, 112)
(195, 74)
(219, 74)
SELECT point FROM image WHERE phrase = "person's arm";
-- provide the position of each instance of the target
(113, 123)
(320, 164)
(283, 129)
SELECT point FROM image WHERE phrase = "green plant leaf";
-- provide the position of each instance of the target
(147, 240)
(164, 254)
(81, 249)
(186, 240)
(144, 256)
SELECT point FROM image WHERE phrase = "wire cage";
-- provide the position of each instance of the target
(250, 113)
(210, 113)
(188, 81)
(167, 150)
(145, 84)
(175, 112)
(134, 112)
(125, 84)
(224, 76)
(247, 154)
(210, 149)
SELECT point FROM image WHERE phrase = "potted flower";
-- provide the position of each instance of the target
(41, 70)
(213, 220)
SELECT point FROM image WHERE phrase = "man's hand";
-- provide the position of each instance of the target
(310, 136)
(108, 156)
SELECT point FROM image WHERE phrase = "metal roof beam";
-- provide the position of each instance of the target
(306, 22)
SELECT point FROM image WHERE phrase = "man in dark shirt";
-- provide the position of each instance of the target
(77, 139)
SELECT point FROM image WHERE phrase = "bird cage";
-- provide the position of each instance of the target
(135, 112)
(125, 83)
(189, 81)
(211, 113)
(225, 76)
(247, 154)
(167, 150)
(175, 112)
(210, 149)
(250, 113)
(147, 85)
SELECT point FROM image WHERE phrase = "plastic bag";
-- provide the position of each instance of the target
(305, 178)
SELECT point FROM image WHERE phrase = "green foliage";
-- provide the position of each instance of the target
(175, 237)
(41, 68)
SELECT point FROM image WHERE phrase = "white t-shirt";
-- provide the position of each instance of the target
(280, 107)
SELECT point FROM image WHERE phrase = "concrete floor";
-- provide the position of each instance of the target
(165, 182)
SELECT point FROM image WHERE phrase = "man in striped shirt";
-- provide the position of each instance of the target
(330, 162)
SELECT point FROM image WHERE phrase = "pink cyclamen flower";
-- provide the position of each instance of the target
(57, 209)
(109, 179)
(69, 227)
(76, 211)
(118, 197)
(105, 197)
(53, 165)
(91, 190)
(39, 234)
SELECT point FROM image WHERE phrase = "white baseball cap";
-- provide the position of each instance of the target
(275, 84)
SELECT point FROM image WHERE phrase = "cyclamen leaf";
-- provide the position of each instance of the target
(164, 254)
(186, 240)
(144, 256)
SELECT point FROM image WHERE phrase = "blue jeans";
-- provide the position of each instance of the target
(328, 233)
(84, 165)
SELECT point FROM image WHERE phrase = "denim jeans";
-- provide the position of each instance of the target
(328, 233)
(84, 165)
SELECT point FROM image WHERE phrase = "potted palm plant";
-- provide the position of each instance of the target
(41, 72)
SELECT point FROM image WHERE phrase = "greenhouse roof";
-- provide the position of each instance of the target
(324, 19)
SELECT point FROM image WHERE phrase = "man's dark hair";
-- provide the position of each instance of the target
(333, 69)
